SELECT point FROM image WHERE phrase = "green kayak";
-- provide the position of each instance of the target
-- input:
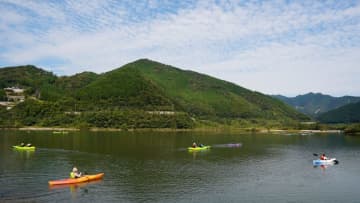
(24, 148)
(198, 148)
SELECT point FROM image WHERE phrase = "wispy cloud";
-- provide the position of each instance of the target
(261, 45)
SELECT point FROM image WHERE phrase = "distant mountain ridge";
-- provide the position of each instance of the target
(314, 104)
(133, 90)
(346, 114)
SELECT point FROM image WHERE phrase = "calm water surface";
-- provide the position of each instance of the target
(156, 167)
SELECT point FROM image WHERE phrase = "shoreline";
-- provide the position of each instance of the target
(302, 131)
(275, 131)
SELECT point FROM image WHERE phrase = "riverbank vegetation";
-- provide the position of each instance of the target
(48, 114)
(353, 129)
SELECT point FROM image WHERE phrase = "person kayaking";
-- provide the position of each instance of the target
(201, 145)
(194, 145)
(323, 157)
(29, 145)
(75, 173)
(22, 144)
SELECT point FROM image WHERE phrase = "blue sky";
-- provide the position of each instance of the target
(275, 47)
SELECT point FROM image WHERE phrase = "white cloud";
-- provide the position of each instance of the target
(271, 47)
(40, 8)
(294, 70)
(10, 17)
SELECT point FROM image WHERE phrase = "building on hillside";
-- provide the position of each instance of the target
(14, 90)
(162, 112)
(15, 94)
(8, 105)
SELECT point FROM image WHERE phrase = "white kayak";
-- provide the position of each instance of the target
(325, 162)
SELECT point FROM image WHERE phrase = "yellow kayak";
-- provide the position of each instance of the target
(198, 148)
(24, 148)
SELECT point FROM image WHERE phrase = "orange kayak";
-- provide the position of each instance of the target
(84, 178)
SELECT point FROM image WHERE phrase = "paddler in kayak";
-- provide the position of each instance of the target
(75, 173)
(323, 157)
(194, 145)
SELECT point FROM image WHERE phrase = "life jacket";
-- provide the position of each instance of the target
(322, 157)
(72, 175)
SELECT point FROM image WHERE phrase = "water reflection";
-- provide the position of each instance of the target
(198, 153)
(322, 167)
(24, 154)
(325, 166)
(76, 190)
(76, 186)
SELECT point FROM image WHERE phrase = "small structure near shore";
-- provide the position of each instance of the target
(14, 95)
(162, 112)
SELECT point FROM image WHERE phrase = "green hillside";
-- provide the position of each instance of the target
(36, 81)
(346, 114)
(203, 95)
(76, 82)
(124, 87)
(141, 94)
(25, 76)
(2, 95)
(314, 104)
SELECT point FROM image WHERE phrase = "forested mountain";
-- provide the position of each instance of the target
(346, 114)
(203, 95)
(141, 94)
(31, 78)
(314, 104)
(25, 76)
(76, 81)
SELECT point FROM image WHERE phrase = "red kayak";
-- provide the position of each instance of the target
(84, 178)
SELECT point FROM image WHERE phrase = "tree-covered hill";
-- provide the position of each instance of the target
(346, 114)
(203, 95)
(34, 80)
(141, 94)
(124, 88)
(25, 76)
(77, 81)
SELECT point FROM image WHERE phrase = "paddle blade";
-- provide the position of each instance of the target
(315, 154)
(336, 162)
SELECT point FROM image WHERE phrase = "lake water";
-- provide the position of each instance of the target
(157, 167)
